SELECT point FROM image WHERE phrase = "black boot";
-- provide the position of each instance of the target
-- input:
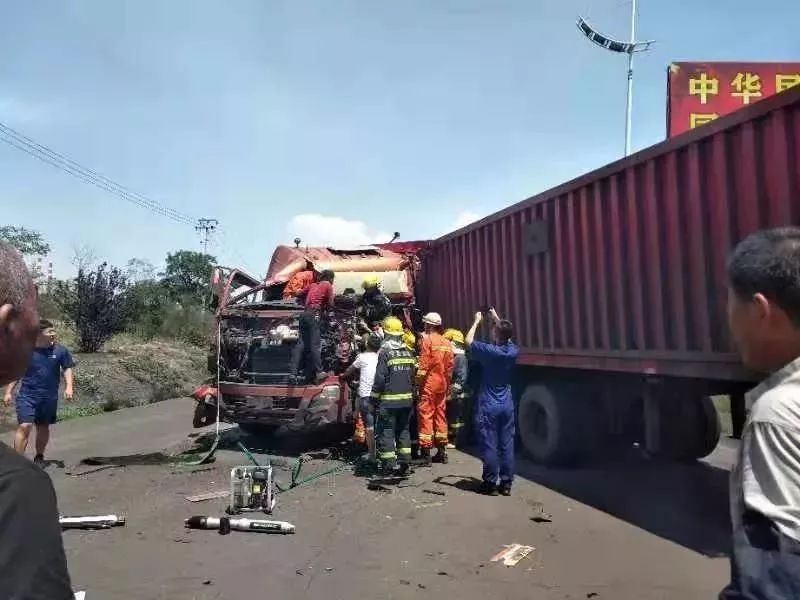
(441, 456)
(425, 457)
(487, 489)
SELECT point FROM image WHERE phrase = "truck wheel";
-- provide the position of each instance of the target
(690, 427)
(204, 414)
(708, 428)
(555, 426)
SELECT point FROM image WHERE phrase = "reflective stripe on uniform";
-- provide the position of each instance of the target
(404, 396)
(456, 425)
(425, 437)
(404, 451)
(387, 455)
(400, 361)
(442, 348)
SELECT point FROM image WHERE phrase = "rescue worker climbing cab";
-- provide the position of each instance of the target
(393, 396)
(258, 328)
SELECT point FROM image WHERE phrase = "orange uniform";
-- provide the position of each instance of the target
(433, 376)
(298, 284)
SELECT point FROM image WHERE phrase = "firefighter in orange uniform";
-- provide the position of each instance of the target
(433, 378)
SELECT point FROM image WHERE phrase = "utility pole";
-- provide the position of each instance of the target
(629, 99)
(630, 48)
(204, 227)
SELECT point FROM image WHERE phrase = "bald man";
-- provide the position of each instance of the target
(32, 561)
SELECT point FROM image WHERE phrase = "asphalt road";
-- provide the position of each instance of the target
(629, 531)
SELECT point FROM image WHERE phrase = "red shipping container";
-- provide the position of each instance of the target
(623, 269)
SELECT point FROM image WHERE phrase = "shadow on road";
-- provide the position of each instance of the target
(684, 503)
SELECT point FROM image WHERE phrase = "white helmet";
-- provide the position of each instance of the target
(433, 318)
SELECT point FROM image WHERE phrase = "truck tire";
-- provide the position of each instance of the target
(690, 427)
(204, 414)
(708, 428)
(555, 424)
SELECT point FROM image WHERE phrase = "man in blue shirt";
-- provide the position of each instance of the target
(494, 414)
(37, 398)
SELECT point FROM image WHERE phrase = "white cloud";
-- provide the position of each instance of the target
(464, 218)
(323, 230)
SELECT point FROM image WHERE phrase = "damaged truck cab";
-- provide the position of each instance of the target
(258, 329)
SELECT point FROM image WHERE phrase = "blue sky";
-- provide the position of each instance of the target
(337, 120)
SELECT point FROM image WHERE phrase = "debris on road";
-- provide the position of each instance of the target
(95, 470)
(208, 496)
(434, 492)
(374, 486)
(80, 595)
(93, 522)
(199, 522)
(512, 554)
(431, 504)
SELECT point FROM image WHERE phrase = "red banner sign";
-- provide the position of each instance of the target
(698, 93)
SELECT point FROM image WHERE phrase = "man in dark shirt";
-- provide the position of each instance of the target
(32, 561)
(37, 398)
(319, 300)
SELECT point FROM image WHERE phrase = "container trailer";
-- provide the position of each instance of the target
(616, 285)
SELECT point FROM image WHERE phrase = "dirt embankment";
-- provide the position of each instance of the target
(129, 372)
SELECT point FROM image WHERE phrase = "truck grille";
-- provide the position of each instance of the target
(269, 365)
(262, 402)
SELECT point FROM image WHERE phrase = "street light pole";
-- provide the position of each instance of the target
(630, 47)
(629, 101)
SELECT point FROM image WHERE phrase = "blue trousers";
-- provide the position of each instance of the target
(765, 564)
(495, 424)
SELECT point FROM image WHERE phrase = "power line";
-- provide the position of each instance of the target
(22, 142)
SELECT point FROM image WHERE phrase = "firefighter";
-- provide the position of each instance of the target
(433, 379)
(393, 396)
(457, 395)
(375, 305)
(410, 340)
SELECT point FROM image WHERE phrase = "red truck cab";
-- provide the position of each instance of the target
(258, 330)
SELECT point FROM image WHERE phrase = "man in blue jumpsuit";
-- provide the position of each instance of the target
(494, 413)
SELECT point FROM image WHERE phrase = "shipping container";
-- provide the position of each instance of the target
(615, 281)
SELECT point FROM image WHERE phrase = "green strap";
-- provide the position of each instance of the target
(400, 361)
(390, 397)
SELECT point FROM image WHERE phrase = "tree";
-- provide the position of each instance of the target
(84, 256)
(188, 274)
(97, 303)
(139, 269)
(27, 241)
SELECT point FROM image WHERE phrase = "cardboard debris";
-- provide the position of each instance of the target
(431, 504)
(208, 496)
(80, 595)
(512, 554)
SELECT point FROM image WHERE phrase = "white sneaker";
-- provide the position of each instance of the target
(451, 446)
